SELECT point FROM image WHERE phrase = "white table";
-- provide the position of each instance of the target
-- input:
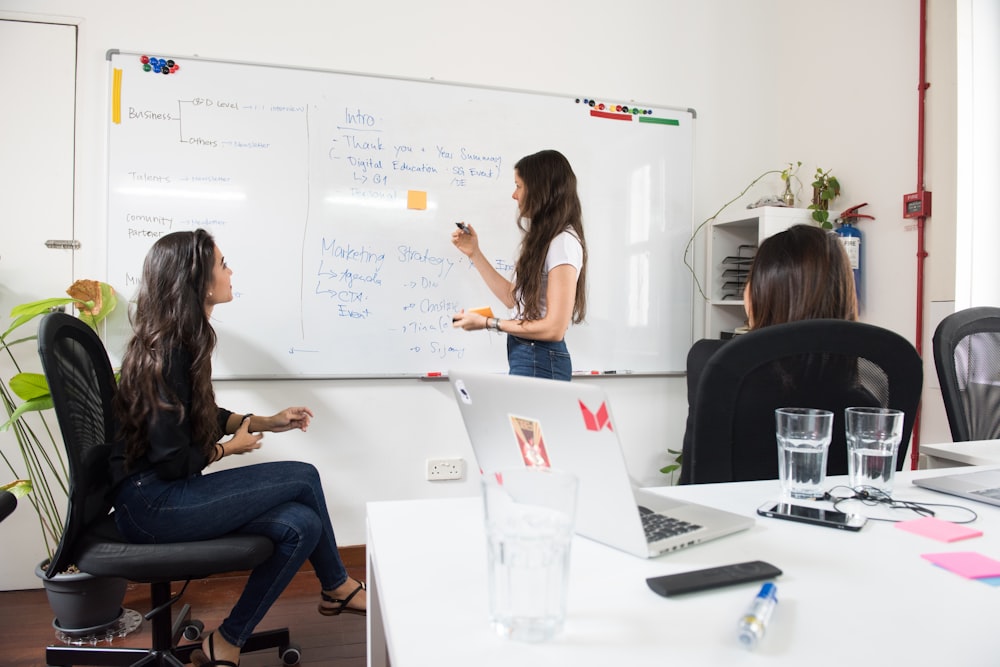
(844, 598)
(971, 453)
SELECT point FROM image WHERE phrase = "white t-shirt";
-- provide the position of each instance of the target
(564, 249)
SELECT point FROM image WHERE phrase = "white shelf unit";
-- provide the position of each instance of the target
(747, 227)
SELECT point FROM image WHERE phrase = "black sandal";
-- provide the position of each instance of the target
(199, 659)
(343, 608)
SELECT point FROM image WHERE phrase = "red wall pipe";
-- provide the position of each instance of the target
(921, 252)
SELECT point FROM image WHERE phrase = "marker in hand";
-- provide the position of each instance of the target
(461, 225)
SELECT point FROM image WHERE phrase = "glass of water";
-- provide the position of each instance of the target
(529, 530)
(803, 436)
(873, 436)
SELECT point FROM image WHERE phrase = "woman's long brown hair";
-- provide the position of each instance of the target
(802, 273)
(169, 315)
(550, 206)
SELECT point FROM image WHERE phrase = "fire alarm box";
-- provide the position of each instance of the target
(917, 204)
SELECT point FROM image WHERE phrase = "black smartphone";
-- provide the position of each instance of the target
(816, 515)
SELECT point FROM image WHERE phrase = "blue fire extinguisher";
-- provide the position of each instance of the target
(850, 236)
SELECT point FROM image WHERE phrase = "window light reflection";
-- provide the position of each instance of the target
(639, 221)
(182, 194)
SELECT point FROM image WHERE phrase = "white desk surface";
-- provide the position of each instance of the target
(844, 598)
(972, 453)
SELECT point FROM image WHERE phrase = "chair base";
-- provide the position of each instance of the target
(176, 656)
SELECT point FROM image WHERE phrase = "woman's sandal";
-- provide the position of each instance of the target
(199, 659)
(342, 608)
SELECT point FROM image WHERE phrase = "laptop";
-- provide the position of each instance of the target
(516, 421)
(982, 485)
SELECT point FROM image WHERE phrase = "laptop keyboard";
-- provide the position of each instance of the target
(660, 526)
(989, 493)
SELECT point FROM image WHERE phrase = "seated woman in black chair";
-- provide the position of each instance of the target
(170, 430)
(801, 273)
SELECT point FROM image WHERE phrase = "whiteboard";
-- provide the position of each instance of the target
(333, 196)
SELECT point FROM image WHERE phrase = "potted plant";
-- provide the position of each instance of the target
(787, 174)
(826, 188)
(42, 460)
(673, 467)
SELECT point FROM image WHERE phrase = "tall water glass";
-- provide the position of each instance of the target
(873, 436)
(529, 528)
(803, 436)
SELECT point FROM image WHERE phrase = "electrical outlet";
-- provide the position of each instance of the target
(438, 469)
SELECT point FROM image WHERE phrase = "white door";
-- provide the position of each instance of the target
(37, 85)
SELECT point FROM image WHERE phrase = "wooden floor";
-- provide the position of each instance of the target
(339, 641)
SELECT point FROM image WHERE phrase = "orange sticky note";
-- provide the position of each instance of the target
(416, 199)
(485, 311)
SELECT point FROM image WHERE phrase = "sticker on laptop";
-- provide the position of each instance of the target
(530, 441)
(595, 421)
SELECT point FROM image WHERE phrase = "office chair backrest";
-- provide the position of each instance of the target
(967, 358)
(82, 384)
(828, 364)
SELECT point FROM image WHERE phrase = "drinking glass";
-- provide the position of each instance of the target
(803, 436)
(529, 529)
(873, 436)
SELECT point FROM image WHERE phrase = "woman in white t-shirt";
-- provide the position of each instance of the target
(549, 289)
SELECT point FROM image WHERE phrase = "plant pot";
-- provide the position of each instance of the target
(82, 603)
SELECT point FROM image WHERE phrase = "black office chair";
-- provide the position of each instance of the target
(967, 358)
(82, 384)
(828, 364)
(8, 503)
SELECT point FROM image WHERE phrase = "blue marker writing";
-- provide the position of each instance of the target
(754, 621)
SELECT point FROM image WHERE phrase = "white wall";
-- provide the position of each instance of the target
(773, 81)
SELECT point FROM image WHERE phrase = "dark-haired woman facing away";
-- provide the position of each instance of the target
(170, 429)
(548, 291)
(802, 273)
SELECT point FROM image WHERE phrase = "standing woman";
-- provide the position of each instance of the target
(170, 430)
(549, 287)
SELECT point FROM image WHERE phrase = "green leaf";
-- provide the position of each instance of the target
(34, 405)
(19, 487)
(670, 468)
(29, 311)
(29, 386)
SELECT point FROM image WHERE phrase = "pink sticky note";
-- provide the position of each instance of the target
(966, 563)
(937, 529)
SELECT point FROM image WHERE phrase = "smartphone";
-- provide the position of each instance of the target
(816, 515)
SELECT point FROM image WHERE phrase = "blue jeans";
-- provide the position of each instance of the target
(539, 358)
(281, 500)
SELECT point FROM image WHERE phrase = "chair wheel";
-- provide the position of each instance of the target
(290, 655)
(192, 631)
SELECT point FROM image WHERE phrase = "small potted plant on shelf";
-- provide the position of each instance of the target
(44, 466)
(787, 174)
(826, 188)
